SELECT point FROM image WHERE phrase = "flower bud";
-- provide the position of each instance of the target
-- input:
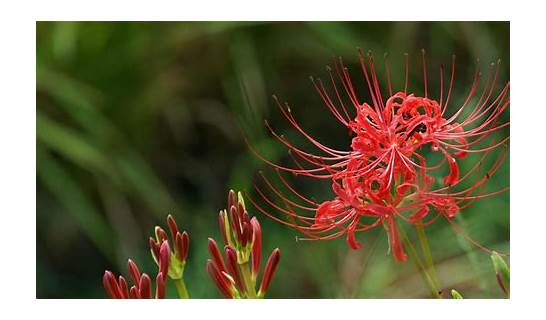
(502, 272)
(145, 286)
(233, 267)
(270, 268)
(164, 257)
(160, 286)
(247, 234)
(232, 199)
(133, 293)
(220, 280)
(216, 255)
(160, 234)
(172, 226)
(455, 294)
(110, 285)
(224, 227)
(154, 249)
(133, 271)
(182, 243)
(256, 247)
(123, 287)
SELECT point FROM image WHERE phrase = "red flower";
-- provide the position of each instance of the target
(385, 174)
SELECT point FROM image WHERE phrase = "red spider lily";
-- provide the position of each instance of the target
(385, 175)
(237, 276)
(141, 288)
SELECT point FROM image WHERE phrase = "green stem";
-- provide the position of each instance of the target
(426, 277)
(247, 279)
(181, 288)
(423, 240)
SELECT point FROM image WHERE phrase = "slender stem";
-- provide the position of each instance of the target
(247, 279)
(426, 277)
(181, 288)
(426, 252)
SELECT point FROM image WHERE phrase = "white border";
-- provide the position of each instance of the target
(18, 180)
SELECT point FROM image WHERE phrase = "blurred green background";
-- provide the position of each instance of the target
(137, 120)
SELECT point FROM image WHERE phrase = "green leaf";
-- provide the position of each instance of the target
(77, 204)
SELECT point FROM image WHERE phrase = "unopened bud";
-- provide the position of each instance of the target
(232, 199)
(145, 286)
(160, 286)
(154, 248)
(164, 257)
(455, 294)
(221, 282)
(123, 287)
(216, 255)
(172, 226)
(233, 267)
(133, 271)
(133, 293)
(503, 272)
(160, 234)
(182, 243)
(224, 226)
(270, 268)
(111, 285)
(256, 247)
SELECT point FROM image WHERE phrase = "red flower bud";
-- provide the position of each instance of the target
(111, 285)
(172, 226)
(154, 248)
(145, 286)
(256, 246)
(182, 243)
(133, 271)
(222, 283)
(232, 199)
(160, 234)
(216, 255)
(246, 217)
(133, 293)
(240, 210)
(123, 288)
(160, 286)
(222, 223)
(270, 268)
(233, 267)
(235, 224)
(247, 234)
(164, 257)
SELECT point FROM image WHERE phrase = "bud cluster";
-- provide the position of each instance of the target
(236, 277)
(171, 263)
(141, 288)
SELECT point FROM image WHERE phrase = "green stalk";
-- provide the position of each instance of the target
(426, 277)
(425, 248)
(247, 279)
(181, 288)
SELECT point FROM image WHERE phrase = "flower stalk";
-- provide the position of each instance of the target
(434, 290)
(425, 248)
